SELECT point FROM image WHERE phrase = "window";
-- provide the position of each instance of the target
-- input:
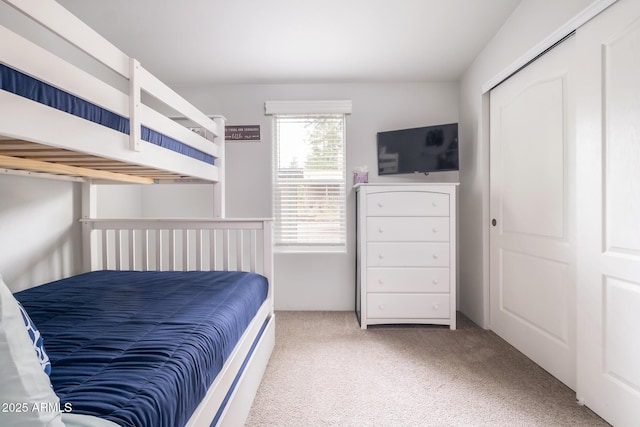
(309, 197)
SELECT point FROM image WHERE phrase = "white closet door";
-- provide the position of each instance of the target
(608, 256)
(532, 243)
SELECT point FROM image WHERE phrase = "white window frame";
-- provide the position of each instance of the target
(307, 108)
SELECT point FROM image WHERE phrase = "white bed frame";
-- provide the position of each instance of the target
(198, 244)
(137, 244)
(60, 130)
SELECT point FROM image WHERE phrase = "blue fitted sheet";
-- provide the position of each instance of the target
(26, 86)
(141, 348)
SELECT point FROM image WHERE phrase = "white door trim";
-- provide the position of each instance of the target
(573, 24)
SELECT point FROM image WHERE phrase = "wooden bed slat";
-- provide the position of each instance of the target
(69, 160)
(42, 153)
(38, 166)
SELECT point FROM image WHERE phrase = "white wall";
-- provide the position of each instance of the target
(323, 281)
(39, 231)
(154, 201)
(119, 201)
(529, 24)
(307, 281)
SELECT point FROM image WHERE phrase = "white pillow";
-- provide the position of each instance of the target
(26, 396)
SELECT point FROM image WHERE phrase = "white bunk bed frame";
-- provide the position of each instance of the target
(36, 139)
(199, 244)
(109, 154)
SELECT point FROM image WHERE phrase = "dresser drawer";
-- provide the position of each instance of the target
(413, 279)
(407, 254)
(426, 229)
(408, 306)
(408, 203)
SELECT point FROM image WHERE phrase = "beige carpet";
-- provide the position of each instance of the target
(325, 371)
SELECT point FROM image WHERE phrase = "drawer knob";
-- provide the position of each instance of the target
(381, 282)
(381, 307)
(436, 306)
(435, 281)
(435, 230)
(380, 256)
(435, 204)
(380, 204)
(435, 256)
(380, 230)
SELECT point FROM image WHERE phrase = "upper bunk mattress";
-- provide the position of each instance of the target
(141, 348)
(26, 86)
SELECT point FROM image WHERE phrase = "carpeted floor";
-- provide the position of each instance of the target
(326, 371)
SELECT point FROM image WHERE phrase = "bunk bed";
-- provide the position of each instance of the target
(59, 120)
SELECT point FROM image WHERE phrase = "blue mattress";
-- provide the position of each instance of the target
(141, 348)
(26, 86)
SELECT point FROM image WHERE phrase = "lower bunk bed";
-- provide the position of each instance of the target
(152, 348)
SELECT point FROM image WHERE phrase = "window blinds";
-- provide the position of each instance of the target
(309, 180)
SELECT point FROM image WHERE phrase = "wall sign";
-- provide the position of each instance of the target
(242, 133)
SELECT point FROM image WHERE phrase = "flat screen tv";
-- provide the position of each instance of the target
(418, 150)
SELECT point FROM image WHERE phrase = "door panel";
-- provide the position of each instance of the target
(532, 160)
(621, 327)
(532, 268)
(621, 146)
(608, 249)
(536, 282)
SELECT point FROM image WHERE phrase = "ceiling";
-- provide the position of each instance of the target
(190, 42)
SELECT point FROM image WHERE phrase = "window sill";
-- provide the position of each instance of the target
(342, 249)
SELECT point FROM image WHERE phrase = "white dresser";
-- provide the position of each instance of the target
(406, 254)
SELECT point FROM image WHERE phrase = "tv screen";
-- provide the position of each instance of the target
(418, 150)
